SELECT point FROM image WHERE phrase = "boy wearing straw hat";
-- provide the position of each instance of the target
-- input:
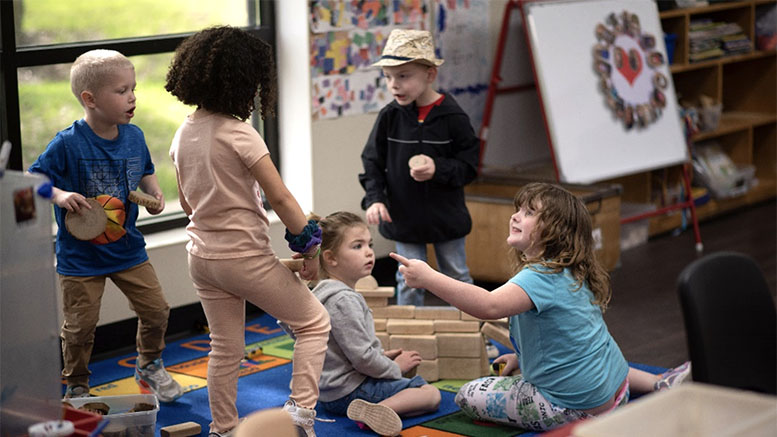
(421, 153)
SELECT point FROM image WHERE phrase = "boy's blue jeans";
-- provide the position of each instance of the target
(451, 261)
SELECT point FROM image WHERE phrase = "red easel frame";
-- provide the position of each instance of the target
(493, 90)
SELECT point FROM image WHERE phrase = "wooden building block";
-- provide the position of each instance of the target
(504, 322)
(438, 313)
(409, 326)
(384, 340)
(181, 430)
(462, 344)
(466, 316)
(374, 302)
(456, 326)
(460, 368)
(485, 363)
(425, 345)
(429, 370)
(378, 292)
(394, 312)
(366, 283)
(380, 325)
(497, 333)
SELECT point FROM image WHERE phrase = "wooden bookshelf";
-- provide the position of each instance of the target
(746, 85)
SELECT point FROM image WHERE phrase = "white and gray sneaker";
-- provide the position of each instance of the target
(303, 418)
(379, 418)
(154, 379)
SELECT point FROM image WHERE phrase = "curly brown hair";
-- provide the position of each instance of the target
(565, 237)
(220, 69)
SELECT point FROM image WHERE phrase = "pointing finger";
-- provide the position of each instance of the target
(399, 258)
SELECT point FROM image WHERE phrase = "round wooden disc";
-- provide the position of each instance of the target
(87, 224)
(416, 161)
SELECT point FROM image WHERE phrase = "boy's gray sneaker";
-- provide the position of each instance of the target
(154, 379)
(77, 391)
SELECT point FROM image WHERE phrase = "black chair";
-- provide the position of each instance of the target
(730, 322)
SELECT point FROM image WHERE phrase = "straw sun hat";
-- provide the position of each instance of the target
(405, 46)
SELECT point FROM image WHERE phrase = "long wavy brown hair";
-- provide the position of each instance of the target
(565, 238)
(223, 69)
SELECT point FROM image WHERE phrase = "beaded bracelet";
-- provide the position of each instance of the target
(305, 240)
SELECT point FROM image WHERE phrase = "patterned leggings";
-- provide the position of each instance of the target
(512, 401)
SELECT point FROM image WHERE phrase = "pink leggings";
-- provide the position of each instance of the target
(223, 286)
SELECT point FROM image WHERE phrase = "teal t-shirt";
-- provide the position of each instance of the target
(565, 349)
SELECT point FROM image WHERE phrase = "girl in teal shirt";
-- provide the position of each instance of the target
(571, 367)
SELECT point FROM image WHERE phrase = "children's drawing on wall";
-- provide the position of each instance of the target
(343, 52)
(327, 15)
(461, 37)
(348, 94)
(628, 65)
(347, 37)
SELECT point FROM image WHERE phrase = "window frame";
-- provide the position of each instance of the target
(12, 58)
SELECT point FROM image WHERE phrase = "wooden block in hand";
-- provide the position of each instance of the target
(144, 199)
(416, 161)
(181, 430)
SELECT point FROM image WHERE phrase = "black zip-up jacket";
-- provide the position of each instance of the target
(432, 211)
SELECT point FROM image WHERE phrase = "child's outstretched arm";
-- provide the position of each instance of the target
(505, 301)
(286, 206)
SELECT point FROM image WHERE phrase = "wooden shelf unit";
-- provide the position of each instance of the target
(746, 85)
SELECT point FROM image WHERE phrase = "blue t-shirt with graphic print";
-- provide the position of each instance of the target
(80, 161)
(565, 348)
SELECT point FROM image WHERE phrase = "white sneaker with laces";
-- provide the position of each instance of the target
(303, 418)
(154, 379)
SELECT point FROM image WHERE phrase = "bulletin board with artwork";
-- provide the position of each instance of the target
(347, 37)
(605, 87)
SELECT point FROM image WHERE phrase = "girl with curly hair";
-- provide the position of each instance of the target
(221, 165)
(571, 367)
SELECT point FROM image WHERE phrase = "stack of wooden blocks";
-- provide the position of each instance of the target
(449, 341)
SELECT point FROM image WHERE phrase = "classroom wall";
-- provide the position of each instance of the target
(320, 164)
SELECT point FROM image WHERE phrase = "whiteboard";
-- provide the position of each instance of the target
(590, 138)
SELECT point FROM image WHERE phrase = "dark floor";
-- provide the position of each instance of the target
(644, 315)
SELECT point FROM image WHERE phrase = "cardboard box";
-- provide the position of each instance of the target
(691, 409)
(141, 423)
(490, 203)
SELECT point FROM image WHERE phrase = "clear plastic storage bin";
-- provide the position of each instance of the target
(123, 421)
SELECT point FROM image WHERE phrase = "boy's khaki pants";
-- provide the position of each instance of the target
(82, 296)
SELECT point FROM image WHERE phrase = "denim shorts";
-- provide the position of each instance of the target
(372, 390)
